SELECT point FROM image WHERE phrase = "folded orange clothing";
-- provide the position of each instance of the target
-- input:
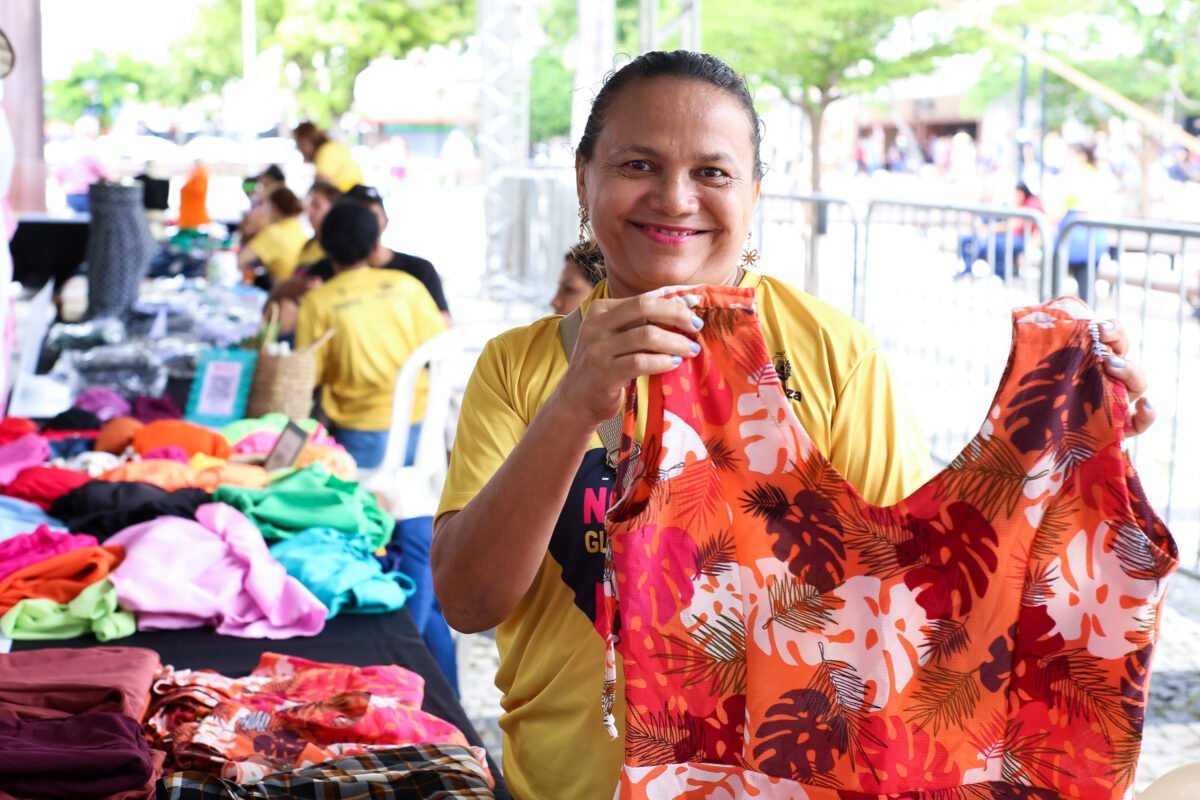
(117, 434)
(62, 577)
(187, 436)
(172, 475)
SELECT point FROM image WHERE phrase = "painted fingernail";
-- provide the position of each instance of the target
(695, 348)
(697, 323)
(1116, 362)
(677, 360)
(1108, 325)
(1146, 404)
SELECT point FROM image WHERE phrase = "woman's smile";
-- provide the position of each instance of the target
(667, 234)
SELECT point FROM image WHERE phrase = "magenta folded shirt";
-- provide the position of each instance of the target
(29, 548)
(214, 571)
(30, 450)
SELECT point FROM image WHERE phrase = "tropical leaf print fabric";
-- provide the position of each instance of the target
(990, 636)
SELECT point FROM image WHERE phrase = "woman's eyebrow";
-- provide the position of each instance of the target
(643, 150)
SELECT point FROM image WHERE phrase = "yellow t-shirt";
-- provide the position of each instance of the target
(551, 658)
(278, 247)
(334, 163)
(381, 316)
(311, 253)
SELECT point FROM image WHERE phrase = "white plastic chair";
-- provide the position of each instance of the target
(449, 357)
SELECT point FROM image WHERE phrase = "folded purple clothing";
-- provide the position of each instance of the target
(84, 756)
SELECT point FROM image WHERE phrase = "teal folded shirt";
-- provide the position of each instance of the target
(339, 569)
(311, 498)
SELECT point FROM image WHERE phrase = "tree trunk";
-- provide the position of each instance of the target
(816, 114)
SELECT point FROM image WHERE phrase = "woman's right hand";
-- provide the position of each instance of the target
(619, 341)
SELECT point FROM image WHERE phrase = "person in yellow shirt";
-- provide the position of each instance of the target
(277, 246)
(321, 197)
(668, 175)
(380, 317)
(332, 160)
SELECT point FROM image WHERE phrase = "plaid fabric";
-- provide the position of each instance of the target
(419, 771)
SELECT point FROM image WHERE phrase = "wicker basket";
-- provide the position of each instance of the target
(283, 384)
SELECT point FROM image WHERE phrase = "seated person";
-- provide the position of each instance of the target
(380, 316)
(321, 197)
(384, 257)
(980, 247)
(277, 246)
(258, 189)
(287, 294)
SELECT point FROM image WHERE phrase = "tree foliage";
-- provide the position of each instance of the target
(324, 44)
(550, 86)
(100, 86)
(1142, 49)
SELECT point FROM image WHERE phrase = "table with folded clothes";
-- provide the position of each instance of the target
(262, 615)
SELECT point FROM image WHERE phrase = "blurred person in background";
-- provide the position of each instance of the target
(276, 248)
(82, 166)
(258, 189)
(582, 270)
(386, 258)
(321, 198)
(1081, 192)
(288, 294)
(982, 246)
(380, 317)
(332, 160)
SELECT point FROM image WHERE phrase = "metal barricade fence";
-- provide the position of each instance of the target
(782, 226)
(1145, 274)
(939, 282)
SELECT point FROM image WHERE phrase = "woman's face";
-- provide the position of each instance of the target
(670, 187)
(572, 288)
(306, 148)
(318, 207)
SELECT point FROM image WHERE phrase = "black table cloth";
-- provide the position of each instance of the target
(361, 640)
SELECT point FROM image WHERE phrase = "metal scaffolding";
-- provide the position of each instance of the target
(506, 29)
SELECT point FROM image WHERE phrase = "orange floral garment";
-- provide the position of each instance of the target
(990, 636)
(289, 713)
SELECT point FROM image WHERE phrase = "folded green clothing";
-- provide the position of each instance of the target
(94, 610)
(311, 498)
(339, 569)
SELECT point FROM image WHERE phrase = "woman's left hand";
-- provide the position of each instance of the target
(1130, 373)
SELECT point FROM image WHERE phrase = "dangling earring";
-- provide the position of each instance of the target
(587, 239)
(749, 255)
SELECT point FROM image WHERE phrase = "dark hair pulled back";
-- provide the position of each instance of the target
(676, 64)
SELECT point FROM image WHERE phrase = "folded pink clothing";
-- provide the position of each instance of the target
(168, 453)
(29, 548)
(28, 451)
(215, 571)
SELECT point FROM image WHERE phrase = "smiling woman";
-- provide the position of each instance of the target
(668, 175)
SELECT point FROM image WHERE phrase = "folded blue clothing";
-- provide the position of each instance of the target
(18, 516)
(339, 568)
